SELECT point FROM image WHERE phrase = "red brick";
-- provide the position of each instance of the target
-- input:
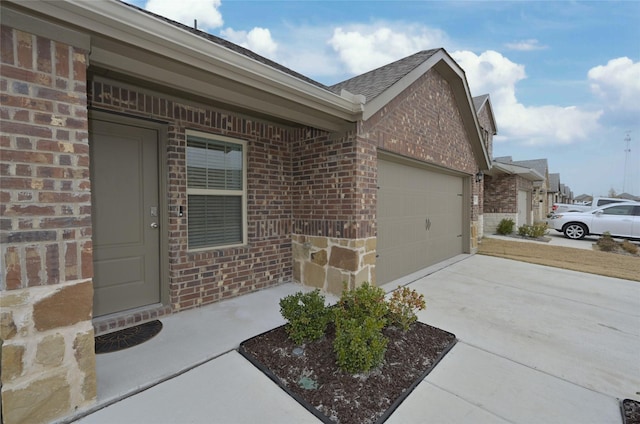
(52, 263)
(71, 261)
(62, 60)
(29, 210)
(25, 49)
(43, 57)
(13, 277)
(34, 266)
(86, 258)
(6, 45)
(26, 129)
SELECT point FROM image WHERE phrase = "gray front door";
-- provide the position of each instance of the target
(125, 212)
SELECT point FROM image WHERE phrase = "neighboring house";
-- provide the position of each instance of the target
(566, 196)
(629, 197)
(553, 195)
(583, 198)
(488, 127)
(539, 201)
(149, 168)
(508, 193)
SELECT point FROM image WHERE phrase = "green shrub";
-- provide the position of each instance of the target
(523, 230)
(539, 229)
(505, 227)
(359, 345)
(363, 302)
(359, 319)
(606, 243)
(630, 247)
(536, 230)
(402, 304)
(306, 314)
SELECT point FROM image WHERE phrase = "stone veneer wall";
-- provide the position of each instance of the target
(329, 263)
(46, 298)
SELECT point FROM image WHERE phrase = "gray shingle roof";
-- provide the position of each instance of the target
(554, 183)
(539, 165)
(373, 83)
(479, 101)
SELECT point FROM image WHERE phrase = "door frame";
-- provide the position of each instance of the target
(163, 198)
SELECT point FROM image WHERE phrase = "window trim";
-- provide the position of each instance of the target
(218, 192)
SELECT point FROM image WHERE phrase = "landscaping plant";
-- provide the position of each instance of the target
(606, 243)
(359, 318)
(630, 247)
(505, 227)
(403, 304)
(536, 230)
(307, 316)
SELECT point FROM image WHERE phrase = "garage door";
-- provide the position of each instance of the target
(420, 219)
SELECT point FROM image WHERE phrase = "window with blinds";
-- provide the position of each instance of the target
(216, 175)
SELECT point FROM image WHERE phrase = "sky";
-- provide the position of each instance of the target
(563, 76)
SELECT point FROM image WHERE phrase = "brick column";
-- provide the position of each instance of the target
(46, 292)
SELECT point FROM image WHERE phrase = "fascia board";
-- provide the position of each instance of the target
(527, 173)
(118, 21)
(451, 71)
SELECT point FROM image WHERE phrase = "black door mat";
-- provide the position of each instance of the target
(129, 337)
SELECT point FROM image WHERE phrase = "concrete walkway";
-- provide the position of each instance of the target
(536, 345)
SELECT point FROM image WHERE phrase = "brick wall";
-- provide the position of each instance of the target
(199, 278)
(487, 129)
(45, 223)
(424, 123)
(501, 192)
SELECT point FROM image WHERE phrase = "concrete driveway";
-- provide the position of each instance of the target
(536, 345)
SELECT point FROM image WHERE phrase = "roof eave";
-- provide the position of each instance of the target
(116, 21)
(451, 71)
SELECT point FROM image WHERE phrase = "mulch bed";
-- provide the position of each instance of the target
(630, 411)
(334, 396)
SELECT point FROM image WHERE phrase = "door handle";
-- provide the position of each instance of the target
(154, 225)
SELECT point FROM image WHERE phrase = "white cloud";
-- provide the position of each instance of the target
(365, 47)
(492, 73)
(617, 84)
(525, 45)
(186, 11)
(258, 40)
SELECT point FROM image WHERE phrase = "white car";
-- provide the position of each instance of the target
(619, 219)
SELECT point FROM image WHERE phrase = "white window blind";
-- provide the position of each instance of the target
(216, 192)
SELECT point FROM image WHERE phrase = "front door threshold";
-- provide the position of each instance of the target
(125, 319)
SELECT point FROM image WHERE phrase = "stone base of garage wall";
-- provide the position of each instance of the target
(47, 355)
(491, 221)
(476, 234)
(327, 262)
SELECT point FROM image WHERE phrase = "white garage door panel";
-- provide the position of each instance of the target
(419, 219)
